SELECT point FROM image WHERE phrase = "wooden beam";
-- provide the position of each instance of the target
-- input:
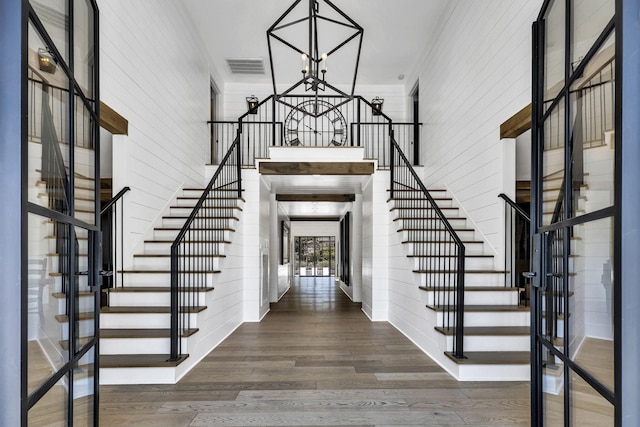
(316, 197)
(315, 218)
(112, 121)
(517, 125)
(316, 168)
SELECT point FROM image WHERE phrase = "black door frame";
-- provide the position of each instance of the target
(15, 397)
(625, 211)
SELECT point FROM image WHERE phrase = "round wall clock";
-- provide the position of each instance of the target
(315, 124)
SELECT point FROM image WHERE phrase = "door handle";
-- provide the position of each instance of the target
(528, 274)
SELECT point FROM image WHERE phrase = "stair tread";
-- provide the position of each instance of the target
(434, 229)
(487, 330)
(201, 217)
(454, 271)
(448, 256)
(188, 241)
(493, 358)
(142, 333)
(149, 309)
(181, 256)
(200, 229)
(399, 208)
(473, 289)
(481, 308)
(415, 218)
(63, 318)
(157, 289)
(441, 199)
(466, 242)
(164, 271)
(63, 295)
(139, 361)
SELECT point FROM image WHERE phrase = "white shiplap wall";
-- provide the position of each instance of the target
(475, 76)
(154, 74)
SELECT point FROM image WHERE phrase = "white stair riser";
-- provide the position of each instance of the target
(493, 343)
(164, 263)
(137, 376)
(427, 248)
(415, 235)
(400, 203)
(165, 248)
(216, 203)
(86, 304)
(139, 320)
(470, 372)
(470, 279)
(185, 212)
(493, 318)
(54, 263)
(152, 299)
(470, 263)
(560, 329)
(216, 223)
(476, 297)
(417, 204)
(158, 279)
(172, 234)
(137, 345)
(85, 329)
(408, 221)
(57, 283)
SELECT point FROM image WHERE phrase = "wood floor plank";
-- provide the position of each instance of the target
(314, 360)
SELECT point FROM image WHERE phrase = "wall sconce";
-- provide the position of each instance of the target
(47, 63)
(376, 106)
(252, 104)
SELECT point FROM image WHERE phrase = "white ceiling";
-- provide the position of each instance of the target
(395, 35)
(396, 32)
(309, 184)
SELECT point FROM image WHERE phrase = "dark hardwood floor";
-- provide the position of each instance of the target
(316, 359)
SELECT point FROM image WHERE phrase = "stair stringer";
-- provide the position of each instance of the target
(224, 313)
(406, 296)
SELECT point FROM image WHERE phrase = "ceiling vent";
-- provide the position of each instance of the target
(246, 65)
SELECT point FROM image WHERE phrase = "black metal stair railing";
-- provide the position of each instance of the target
(325, 120)
(517, 243)
(196, 248)
(112, 227)
(436, 245)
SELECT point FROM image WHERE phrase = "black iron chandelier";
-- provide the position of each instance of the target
(313, 60)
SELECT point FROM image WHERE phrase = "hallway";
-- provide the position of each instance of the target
(316, 359)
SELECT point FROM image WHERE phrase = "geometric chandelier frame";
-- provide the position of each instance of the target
(314, 62)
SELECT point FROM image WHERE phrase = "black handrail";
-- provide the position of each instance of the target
(439, 249)
(515, 207)
(114, 200)
(197, 244)
(112, 227)
(517, 243)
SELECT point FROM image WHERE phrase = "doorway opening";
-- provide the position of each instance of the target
(315, 256)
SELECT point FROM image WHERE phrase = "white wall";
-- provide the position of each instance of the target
(154, 74)
(523, 157)
(476, 75)
(281, 274)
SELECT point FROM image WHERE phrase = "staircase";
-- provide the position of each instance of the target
(135, 327)
(496, 326)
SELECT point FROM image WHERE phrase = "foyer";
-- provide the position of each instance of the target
(316, 359)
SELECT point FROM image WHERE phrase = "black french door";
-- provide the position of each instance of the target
(61, 249)
(315, 256)
(573, 214)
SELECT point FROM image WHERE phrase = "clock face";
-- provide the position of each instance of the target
(315, 124)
